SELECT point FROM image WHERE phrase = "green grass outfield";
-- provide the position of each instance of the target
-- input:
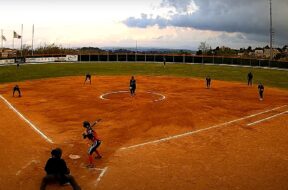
(272, 78)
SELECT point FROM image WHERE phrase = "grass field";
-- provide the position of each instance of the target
(272, 78)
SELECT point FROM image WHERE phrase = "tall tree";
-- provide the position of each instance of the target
(204, 47)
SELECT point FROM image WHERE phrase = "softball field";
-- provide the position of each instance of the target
(174, 134)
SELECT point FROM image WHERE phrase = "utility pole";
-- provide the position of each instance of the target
(271, 32)
(1, 39)
(32, 39)
(21, 40)
(136, 51)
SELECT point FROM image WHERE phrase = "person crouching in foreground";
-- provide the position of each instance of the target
(57, 171)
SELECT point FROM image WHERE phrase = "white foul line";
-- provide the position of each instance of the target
(200, 130)
(267, 118)
(101, 175)
(97, 169)
(26, 120)
(28, 164)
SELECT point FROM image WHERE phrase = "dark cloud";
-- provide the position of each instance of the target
(245, 16)
(145, 21)
(180, 6)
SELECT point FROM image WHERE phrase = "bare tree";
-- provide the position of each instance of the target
(204, 47)
(26, 50)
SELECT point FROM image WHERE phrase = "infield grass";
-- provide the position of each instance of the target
(272, 78)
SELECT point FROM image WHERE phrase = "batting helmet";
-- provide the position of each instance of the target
(86, 124)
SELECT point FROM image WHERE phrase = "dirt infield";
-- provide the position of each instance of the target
(227, 138)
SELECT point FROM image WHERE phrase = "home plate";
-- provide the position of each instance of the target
(74, 156)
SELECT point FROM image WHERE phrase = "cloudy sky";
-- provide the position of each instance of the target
(152, 23)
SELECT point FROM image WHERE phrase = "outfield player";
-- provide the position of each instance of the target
(164, 62)
(250, 78)
(88, 77)
(132, 86)
(261, 91)
(92, 136)
(16, 89)
(208, 82)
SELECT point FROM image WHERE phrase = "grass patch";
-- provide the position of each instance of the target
(272, 78)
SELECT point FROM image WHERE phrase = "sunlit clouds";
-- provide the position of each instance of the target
(152, 23)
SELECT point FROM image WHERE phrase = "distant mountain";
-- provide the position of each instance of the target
(147, 50)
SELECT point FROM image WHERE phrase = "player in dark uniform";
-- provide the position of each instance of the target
(16, 89)
(208, 82)
(91, 135)
(132, 86)
(261, 90)
(250, 78)
(164, 62)
(88, 77)
(57, 171)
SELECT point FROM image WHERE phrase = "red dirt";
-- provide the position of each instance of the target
(231, 157)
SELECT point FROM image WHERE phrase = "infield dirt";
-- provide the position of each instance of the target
(232, 157)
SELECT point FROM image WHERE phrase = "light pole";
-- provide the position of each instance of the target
(271, 33)
(136, 52)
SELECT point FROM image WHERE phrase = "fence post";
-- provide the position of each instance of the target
(136, 57)
(202, 59)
